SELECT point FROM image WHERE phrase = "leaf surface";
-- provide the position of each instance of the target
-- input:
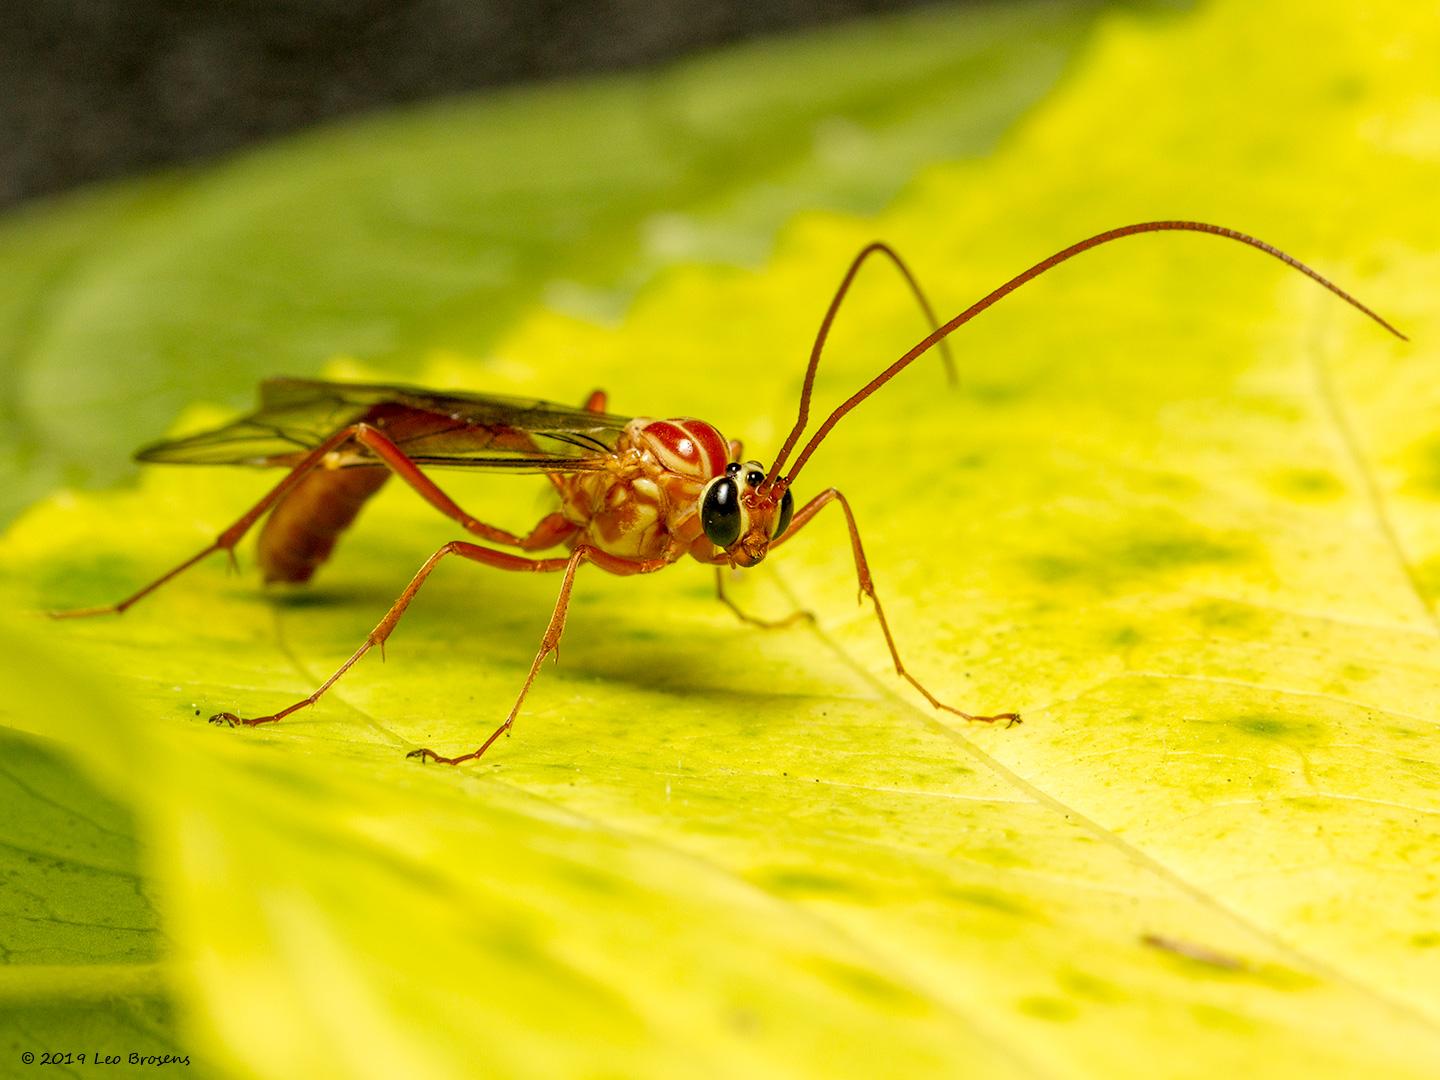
(1181, 513)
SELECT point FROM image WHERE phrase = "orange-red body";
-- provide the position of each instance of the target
(641, 506)
(645, 504)
(301, 531)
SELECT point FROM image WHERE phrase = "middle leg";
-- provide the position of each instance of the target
(550, 641)
(755, 620)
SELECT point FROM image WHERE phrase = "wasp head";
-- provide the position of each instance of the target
(744, 514)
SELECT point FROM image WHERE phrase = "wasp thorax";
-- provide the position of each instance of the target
(686, 446)
(742, 514)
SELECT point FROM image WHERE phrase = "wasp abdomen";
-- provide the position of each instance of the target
(301, 531)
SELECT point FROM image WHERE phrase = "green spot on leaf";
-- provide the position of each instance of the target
(1307, 484)
(1053, 1010)
(1276, 727)
(1425, 468)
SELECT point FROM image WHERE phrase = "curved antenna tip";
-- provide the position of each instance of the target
(943, 331)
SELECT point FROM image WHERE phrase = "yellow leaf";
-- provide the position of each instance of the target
(1181, 513)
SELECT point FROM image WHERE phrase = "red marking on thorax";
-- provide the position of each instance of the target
(689, 446)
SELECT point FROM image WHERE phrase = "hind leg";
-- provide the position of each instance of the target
(550, 532)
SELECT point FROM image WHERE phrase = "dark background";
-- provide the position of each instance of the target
(90, 90)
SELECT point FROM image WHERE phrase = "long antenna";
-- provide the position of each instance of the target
(876, 248)
(1018, 280)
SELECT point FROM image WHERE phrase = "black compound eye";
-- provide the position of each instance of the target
(732, 468)
(754, 479)
(787, 511)
(720, 511)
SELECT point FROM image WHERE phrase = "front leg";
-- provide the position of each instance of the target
(867, 588)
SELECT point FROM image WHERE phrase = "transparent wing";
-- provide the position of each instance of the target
(437, 428)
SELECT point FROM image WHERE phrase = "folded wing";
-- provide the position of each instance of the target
(435, 428)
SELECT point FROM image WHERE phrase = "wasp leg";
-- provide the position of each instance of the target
(550, 532)
(550, 641)
(502, 560)
(755, 620)
(377, 637)
(227, 540)
(867, 588)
